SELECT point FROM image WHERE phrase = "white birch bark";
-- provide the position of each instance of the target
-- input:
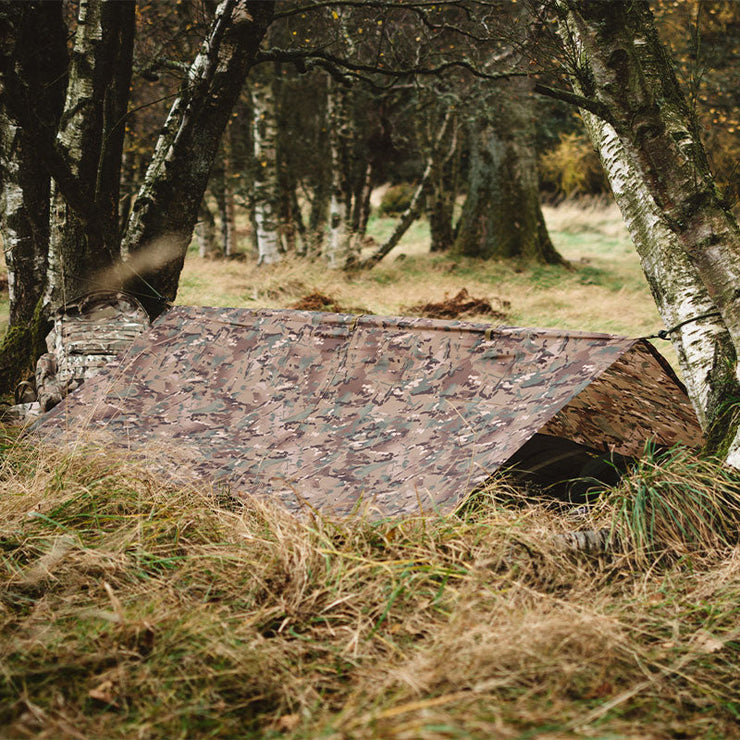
(91, 139)
(165, 212)
(679, 293)
(266, 175)
(688, 242)
(337, 247)
(69, 257)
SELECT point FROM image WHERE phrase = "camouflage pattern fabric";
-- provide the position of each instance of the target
(87, 335)
(384, 415)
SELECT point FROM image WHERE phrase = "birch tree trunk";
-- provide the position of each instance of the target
(166, 209)
(337, 246)
(688, 240)
(36, 31)
(90, 136)
(266, 185)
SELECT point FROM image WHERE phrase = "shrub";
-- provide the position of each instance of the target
(396, 199)
(674, 504)
(573, 168)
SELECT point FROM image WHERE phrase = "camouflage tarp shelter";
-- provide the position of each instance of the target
(395, 414)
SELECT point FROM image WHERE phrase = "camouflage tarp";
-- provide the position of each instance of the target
(397, 414)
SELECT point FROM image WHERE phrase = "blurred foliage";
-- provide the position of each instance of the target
(396, 199)
(572, 168)
(704, 40)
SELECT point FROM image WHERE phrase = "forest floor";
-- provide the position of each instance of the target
(605, 290)
(133, 608)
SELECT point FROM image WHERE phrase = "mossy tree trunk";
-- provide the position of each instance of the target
(501, 217)
(34, 55)
(56, 253)
(205, 233)
(688, 241)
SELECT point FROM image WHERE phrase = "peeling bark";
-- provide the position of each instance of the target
(90, 136)
(704, 347)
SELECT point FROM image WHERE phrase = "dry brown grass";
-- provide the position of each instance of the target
(130, 608)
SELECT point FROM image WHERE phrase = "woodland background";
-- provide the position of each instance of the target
(131, 607)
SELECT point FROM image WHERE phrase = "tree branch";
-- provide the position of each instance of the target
(323, 59)
(364, 4)
(593, 106)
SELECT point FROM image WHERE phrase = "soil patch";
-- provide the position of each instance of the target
(460, 305)
(318, 301)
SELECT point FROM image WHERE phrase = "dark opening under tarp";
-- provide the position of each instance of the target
(397, 414)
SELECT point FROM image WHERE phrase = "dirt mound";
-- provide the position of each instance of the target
(318, 301)
(462, 304)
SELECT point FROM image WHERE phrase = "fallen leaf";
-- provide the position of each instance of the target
(288, 722)
(104, 692)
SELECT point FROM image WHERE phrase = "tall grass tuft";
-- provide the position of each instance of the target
(675, 504)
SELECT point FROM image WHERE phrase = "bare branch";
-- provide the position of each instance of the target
(592, 106)
(384, 4)
(324, 59)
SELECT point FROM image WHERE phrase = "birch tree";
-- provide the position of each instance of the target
(688, 241)
(32, 53)
(338, 122)
(441, 151)
(90, 139)
(166, 208)
(266, 187)
(54, 253)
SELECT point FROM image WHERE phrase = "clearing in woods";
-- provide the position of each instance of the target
(134, 609)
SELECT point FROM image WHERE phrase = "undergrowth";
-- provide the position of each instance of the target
(133, 608)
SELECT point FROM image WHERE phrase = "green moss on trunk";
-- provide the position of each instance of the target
(723, 428)
(20, 348)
